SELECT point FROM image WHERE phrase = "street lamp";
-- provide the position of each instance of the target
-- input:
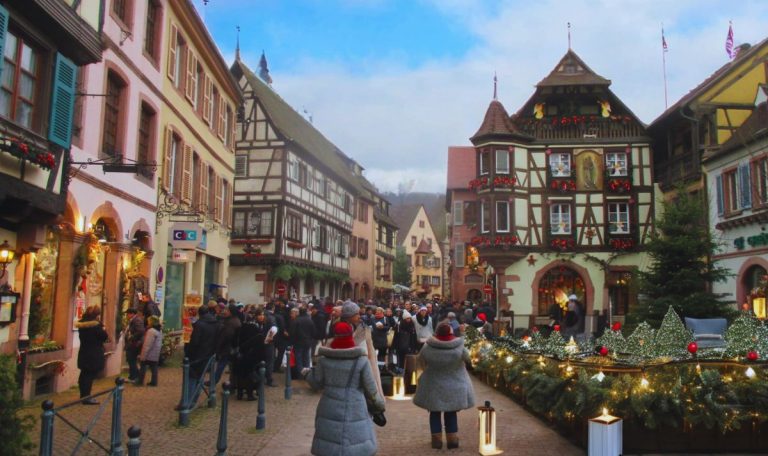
(7, 254)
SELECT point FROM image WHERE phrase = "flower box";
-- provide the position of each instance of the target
(23, 151)
(619, 185)
(563, 186)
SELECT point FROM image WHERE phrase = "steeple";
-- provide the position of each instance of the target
(237, 47)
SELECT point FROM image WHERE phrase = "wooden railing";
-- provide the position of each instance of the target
(677, 170)
(566, 128)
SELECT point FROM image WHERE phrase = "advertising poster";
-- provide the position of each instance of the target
(191, 303)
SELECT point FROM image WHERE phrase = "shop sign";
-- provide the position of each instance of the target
(185, 235)
(183, 256)
(753, 241)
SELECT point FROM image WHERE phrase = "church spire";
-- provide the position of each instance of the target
(237, 46)
(495, 83)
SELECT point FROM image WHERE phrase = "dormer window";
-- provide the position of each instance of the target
(560, 165)
(616, 164)
(502, 162)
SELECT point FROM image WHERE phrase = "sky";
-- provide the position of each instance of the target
(394, 83)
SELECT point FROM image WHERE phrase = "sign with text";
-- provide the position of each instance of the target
(185, 235)
(183, 256)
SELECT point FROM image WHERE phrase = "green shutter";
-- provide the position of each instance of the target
(3, 31)
(62, 102)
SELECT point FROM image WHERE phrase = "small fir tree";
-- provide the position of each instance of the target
(612, 340)
(743, 336)
(640, 343)
(554, 345)
(682, 268)
(762, 341)
(400, 272)
(673, 337)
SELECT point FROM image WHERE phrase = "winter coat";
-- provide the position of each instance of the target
(153, 342)
(379, 335)
(135, 334)
(202, 344)
(250, 348)
(90, 357)
(444, 385)
(320, 320)
(302, 331)
(405, 337)
(225, 340)
(343, 426)
(423, 332)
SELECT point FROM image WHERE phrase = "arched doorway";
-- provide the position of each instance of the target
(346, 290)
(474, 295)
(365, 292)
(754, 283)
(556, 285)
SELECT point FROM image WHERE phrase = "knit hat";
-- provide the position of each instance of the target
(349, 309)
(422, 308)
(342, 336)
(444, 332)
(406, 315)
(482, 316)
(573, 297)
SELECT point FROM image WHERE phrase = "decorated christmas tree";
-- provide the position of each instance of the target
(612, 340)
(640, 343)
(673, 337)
(554, 345)
(743, 336)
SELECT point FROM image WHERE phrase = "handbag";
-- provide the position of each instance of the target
(390, 336)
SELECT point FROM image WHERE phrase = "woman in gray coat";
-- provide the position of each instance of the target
(444, 386)
(343, 426)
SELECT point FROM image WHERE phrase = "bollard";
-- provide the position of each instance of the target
(211, 384)
(134, 443)
(288, 389)
(221, 443)
(184, 405)
(261, 420)
(46, 429)
(116, 443)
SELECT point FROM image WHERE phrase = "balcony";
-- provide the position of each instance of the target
(569, 128)
(677, 170)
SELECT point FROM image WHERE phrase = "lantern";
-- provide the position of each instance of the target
(398, 388)
(571, 347)
(605, 435)
(7, 253)
(487, 437)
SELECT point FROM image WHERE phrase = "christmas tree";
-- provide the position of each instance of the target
(554, 345)
(743, 336)
(673, 337)
(681, 268)
(640, 343)
(612, 340)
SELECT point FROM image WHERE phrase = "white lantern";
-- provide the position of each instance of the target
(605, 435)
(398, 388)
(487, 427)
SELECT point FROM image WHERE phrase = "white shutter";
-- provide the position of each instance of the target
(458, 213)
(459, 255)
(719, 191)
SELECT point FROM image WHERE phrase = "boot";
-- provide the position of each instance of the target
(437, 441)
(452, 439)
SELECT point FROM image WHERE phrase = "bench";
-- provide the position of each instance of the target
(708, 332)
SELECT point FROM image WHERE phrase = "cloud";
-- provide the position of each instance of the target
(398, 121)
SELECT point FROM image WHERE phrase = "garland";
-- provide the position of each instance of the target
(23, 151)
(497, 241)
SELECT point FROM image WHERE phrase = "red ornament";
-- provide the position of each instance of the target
(693, 347)
(556, 328)
(535, 329)
(603, 351)
(752, 356)
(616, 326)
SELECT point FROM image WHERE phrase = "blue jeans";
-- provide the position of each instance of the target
(451, 422)
(221, 364)
(302, 355)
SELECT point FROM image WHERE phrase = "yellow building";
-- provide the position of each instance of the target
(197, 165)
(422, 248)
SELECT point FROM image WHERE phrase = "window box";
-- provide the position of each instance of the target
(562, 243)
(261, 241)
(478, 184)
(504, 182)
(563, 186)
(621, 243)
(497, 241)
(23, 151)
(295, 245)
(619, 185)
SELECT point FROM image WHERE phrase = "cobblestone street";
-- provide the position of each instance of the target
(289, 424)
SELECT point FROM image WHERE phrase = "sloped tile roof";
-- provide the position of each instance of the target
(403, 217)
(496, 122)
(462, 166)
(423, 248)
(571, 70)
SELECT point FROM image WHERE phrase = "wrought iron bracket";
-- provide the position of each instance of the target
(116, 164)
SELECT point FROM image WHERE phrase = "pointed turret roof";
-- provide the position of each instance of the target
(571, 70)
(497, 123)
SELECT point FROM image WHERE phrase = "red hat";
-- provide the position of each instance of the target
(342, 336)
(482, 316)
(444, 332)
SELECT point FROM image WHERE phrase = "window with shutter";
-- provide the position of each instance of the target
(203, 185)
(168, 160)
(172, 57)
(227, 216)
(720, 197)
(459, 255)
(190, 82)
(241, 166)
(760, 181)
(195, 181)
(62, 102)
(3, 31)
(458, 213)
(207, 88)
(219, 199)
(746, 186)
(186, 175)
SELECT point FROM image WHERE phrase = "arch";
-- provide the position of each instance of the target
(346, 290)
(141, 234)
(366, 292)
(111, 218)
(356, 291)
(474, 295)
(589, 288)
(742, 293)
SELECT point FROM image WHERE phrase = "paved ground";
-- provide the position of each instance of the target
(289, 424)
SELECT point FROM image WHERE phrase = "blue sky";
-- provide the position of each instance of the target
(394, 83)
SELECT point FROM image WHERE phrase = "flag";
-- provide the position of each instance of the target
(729, 43)
(664, 41)
(263, 70)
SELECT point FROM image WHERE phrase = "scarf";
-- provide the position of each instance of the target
(422, 321)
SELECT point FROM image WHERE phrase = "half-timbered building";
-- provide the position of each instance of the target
(565, 197)
(293, 202)
(386, 234)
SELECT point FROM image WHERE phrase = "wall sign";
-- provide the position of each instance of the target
(753, 241)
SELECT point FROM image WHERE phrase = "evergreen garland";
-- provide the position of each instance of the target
(673, 337)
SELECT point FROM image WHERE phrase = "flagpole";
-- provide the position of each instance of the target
(664, 64)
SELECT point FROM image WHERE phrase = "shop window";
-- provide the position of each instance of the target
(560, 165)
(43, 300)
(555, 287)
(755, 282)
(619, 286)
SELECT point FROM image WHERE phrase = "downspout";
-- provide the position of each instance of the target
(22, 343)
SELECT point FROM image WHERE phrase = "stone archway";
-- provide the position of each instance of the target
(542, 285)
(107, 213)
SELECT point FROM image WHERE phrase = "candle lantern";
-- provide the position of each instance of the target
(487, 428)
(605, 435)
(398, 388)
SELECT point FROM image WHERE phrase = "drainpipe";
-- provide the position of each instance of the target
(26, 300)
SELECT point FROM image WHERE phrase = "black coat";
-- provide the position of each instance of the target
(405, 337)
(250, 348)
(90, 357)
(202, 344)
(320, 320)
(225, 340)
(302, 331)
(379, 334)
